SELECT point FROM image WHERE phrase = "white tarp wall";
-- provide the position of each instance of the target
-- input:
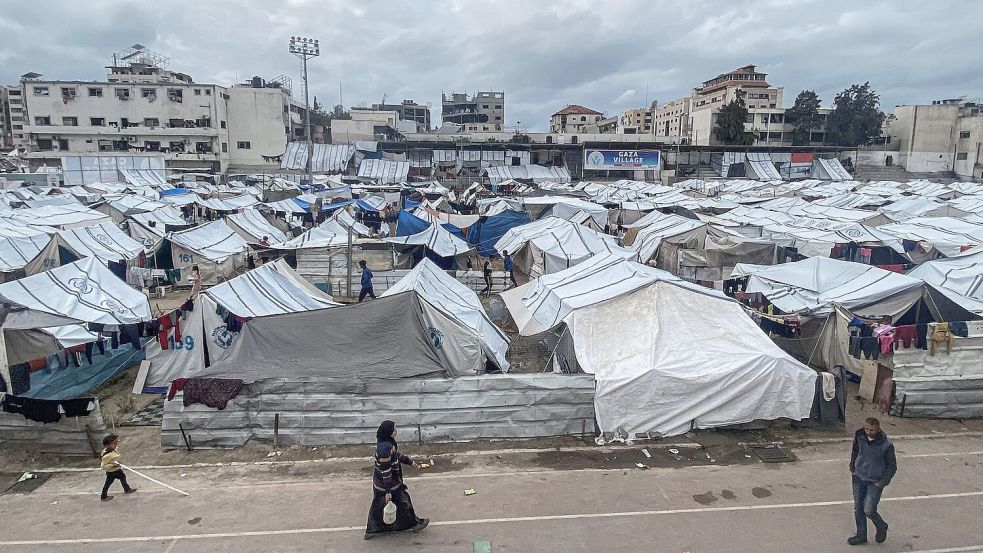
(384, 170)
(215, 248)
(252, 226)
(104, 242)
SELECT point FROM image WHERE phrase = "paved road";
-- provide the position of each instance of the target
(935, 504)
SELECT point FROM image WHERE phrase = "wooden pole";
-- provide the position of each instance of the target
(187, 442)
(276, 432)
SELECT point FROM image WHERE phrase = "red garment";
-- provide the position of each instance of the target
(177, 329)
(165, 326)
(887, 343)
(893, 268)
(906, 335)
(176, 387)
(37, 364)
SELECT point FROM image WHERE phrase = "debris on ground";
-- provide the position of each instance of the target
(470, 491)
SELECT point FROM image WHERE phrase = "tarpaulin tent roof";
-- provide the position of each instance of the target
(328, 234)
(214, 241)
(552, 244)
(235, 203)
(535, 173)
(455, 300)
(290, 205)
(398, 336)
(450, 219)
(19, 244)
(830, 169)
(129, 204)
(84, 291)
(817, 238)
(812, 286)
(960, 278)
(106, 242)
(59, 216)
(436, 239)
(691, 359)
(384, 170)
(490, 228)
(408, 224)
(326, 158)
(160, 218)
(270, 289)
(563, 207)
(252, 227)
(911, 207)
(948, 235)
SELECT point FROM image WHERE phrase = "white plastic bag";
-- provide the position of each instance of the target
(389, 513)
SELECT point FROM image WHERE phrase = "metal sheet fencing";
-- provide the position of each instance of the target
(68, 435)
(428, 410)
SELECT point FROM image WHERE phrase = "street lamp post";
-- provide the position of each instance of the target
(306, 48)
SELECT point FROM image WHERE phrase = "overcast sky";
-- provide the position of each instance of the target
(608, 55)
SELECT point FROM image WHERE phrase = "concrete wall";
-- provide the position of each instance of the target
(256, 116)
(427, 410)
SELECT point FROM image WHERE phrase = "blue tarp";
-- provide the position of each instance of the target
(175, 192)
(305, 205)
(73, 382)
(330, 207)
(411, 204)
(409, 224)
(483, 234)
(362, 204)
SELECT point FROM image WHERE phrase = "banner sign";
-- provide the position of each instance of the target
(623, 160)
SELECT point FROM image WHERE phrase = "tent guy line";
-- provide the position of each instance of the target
(539, 518)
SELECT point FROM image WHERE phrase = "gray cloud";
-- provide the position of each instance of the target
(544, 55)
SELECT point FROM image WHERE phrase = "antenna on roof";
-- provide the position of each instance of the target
(139, 54)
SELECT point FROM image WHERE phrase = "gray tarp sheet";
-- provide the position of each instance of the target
(384, 338)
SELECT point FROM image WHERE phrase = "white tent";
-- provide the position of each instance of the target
(214, 247)
(457, 301)
(57, 216)
(960, 278)
(436, 239)
(947, 235)
(686, 357)
(105, 242)
(564, 207)
(252, 226)
(151, 227)
(19, 245)
(272, 289)
(830, 169)
(552, 244)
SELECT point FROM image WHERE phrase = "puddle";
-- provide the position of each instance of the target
(760, 493)
(705, 498)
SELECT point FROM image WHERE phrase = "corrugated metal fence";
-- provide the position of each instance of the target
(428, 410)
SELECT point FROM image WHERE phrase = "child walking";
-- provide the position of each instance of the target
(110, 464)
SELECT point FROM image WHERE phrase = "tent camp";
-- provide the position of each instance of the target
(552, 244)
(693, 358)
(57, 216)
(214, 247)
(19, 245)
(490, 228)
(271, 289)
(400, 336)
(150, 227)
(459, 302)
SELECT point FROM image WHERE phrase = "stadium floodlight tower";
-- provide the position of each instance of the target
(306, 48)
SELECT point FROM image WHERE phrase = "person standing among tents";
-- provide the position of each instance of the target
(195, 278)
(487, 273)
(388, 488)
(366, 282)
(872, 466)
(508, 268)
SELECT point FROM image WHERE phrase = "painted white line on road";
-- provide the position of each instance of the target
(581, 516)
(971, 548)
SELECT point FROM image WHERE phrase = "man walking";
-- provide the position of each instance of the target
(486, 273)
(508, 268)
(366, 282)
(873, 465)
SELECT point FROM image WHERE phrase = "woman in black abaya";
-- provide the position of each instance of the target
(387, 485)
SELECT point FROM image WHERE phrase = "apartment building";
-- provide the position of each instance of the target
(672, 120)
(409, 110)
(483, 112)
(6, 132)
(371, 125)
(574, 119)
(145, 108)
(639, 120)
(944, 136)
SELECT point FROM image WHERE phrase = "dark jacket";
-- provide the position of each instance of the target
(873, 461)
(366, 278)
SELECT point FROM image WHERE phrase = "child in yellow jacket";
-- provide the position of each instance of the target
(110, 464)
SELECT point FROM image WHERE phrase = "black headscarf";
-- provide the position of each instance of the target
(384, 435)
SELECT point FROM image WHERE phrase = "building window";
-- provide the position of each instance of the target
(225, 147)
(42, 120)
(121, 146)
(177, 147)
(203, 147)
(45, 144)
(63, 145)
(70, 121)
(208, 92)
(175, 94)
(123, 93)
(175, 123)
(151, 146)
(97, 121)
(222, 124)
(41, 91)
(962, 156)
(151, 122)
(197, 92)
(243, 145)
(68, 93)
(963, 134)
(148, 93)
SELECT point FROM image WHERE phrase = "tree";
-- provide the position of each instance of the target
(804, 117)
(856, 117)
(321, 117)
(729, 128)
